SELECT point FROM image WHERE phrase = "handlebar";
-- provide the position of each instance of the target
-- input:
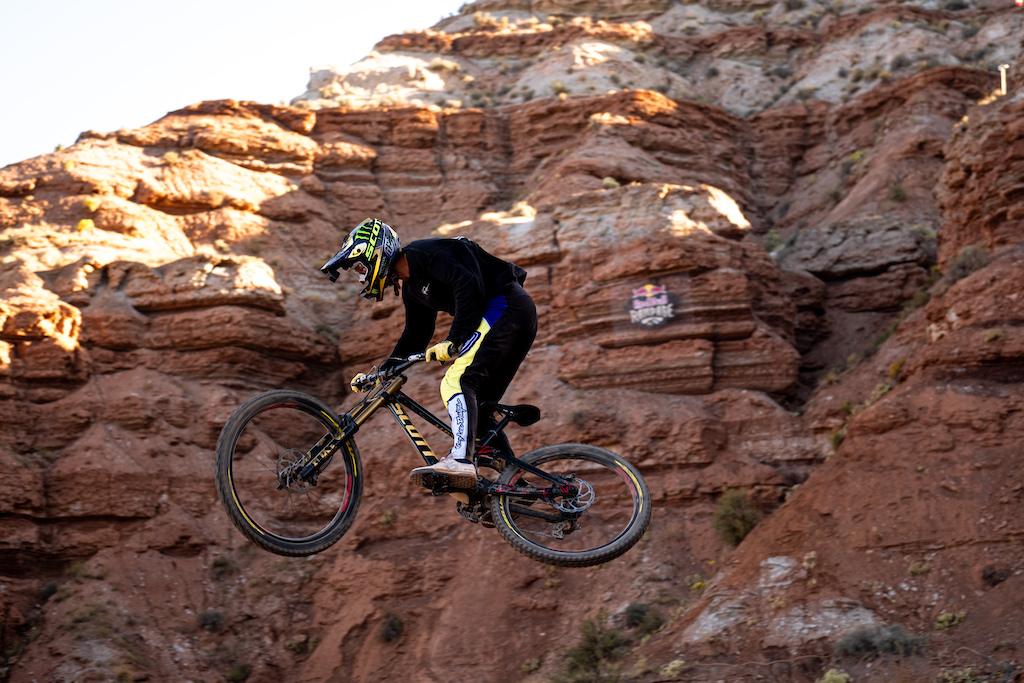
(393, 371)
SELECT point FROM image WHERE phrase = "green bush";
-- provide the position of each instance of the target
(735, 516)
(835, 676)
(970, 259)
(643, 618)
(239, 673)
(592, 659)
(948, 620)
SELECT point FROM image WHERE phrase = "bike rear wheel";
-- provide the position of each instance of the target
(605, 519)
(259, 455)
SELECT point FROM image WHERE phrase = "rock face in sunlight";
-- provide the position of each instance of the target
(776, 252)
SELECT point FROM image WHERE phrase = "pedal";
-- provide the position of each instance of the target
(467, 512)
(441, 483)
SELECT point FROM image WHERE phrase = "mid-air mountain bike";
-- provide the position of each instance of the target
(289, 474)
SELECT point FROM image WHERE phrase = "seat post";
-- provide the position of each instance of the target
(494, 432)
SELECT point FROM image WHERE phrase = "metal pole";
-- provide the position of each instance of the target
(1002, 77)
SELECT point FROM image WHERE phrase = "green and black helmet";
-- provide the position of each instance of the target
(370, 251)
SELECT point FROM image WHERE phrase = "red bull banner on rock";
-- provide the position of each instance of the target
(651, 306)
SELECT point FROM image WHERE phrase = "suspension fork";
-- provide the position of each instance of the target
(324, 449)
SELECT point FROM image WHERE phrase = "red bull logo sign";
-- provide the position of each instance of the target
(651, 306)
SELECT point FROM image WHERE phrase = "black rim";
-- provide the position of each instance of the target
(616, 505)
(274, 503)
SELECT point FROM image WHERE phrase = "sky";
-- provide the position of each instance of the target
(68, 66)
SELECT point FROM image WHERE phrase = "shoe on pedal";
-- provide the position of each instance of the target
(457, 474)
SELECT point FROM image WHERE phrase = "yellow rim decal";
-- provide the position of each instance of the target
(238, 505)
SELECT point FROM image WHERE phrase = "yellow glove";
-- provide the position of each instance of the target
(441, 352)
(357, 383)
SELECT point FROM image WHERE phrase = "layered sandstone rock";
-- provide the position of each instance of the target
(981, 191)
(153, 279)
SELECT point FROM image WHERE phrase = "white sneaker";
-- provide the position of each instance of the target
(460, 474)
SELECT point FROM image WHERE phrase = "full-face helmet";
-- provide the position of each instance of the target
(370, 251)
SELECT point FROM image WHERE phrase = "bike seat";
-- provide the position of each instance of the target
(523, 415)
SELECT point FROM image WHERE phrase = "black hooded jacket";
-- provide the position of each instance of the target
(452, 275)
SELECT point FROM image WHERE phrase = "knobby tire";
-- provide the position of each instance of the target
(616, 519)
(263, 437)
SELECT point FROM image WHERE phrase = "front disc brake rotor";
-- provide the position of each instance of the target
(288, 466)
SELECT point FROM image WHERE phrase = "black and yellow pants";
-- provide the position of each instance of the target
(486, 364)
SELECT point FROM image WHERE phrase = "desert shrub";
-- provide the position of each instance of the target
(967, 675)
(239, 673)
(835, 676)
(900, 61)
(897, 193)
(558, 88)
(871, 641)
(919, 567)
(782, 71)
(391, 627)
(993, 576)
(940, 26)
(643, 618)
(711, 72)
(955, 5)
(223, 567)
(994, 334)
(804, 94)
(735, 516)
(483, 18)
(970, 259)
(773, 240)
(444, 65)
(793, 5)
(591, 659)
(47, 591)
(948, 620)
(211, 620)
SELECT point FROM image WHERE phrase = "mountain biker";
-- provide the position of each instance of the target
(494, 324)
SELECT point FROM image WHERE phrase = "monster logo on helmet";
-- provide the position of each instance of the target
(371, 249)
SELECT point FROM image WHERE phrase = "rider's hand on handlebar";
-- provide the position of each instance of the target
(359, 383)
(440, 352)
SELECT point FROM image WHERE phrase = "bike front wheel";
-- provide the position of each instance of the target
(261, 450)
(606, 516)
